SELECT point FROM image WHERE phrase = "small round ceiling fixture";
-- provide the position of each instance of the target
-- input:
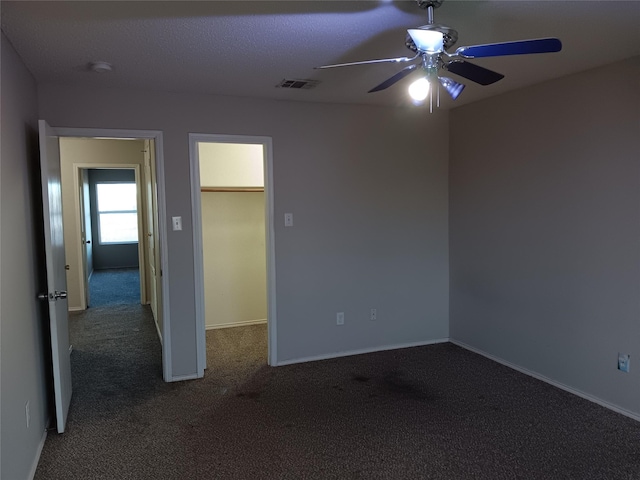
(100, 67)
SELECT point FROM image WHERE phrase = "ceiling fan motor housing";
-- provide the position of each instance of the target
(429, 3)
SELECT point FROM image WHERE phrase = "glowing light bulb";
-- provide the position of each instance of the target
(419, 89)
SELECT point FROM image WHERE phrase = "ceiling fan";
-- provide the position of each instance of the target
(430, 43)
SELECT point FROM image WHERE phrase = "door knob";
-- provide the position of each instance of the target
(88, 241)
(57, 295)
(52, 296)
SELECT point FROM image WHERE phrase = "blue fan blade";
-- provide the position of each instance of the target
(452, 87)
(472, 72)
(396, 78)
(523, 47)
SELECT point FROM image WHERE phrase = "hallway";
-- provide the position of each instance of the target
(114, 286)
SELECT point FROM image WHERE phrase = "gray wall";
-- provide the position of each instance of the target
(110, 256)
(368, 189)
(545, 229)
(24, 323)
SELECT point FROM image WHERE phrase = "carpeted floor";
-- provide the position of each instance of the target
(117, 286)
(436, 412)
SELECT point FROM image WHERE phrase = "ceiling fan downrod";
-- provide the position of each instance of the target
(429, 5)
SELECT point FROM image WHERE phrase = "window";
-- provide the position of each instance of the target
(117, 212)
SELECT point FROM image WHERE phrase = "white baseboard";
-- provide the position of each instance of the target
(158, 330)
(36, 460)
(75, 309)
(181, 378)
(244, 323)
(361, 351)
(548, 380)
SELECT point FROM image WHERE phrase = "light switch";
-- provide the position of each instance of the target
(177, 223)
(288, 219)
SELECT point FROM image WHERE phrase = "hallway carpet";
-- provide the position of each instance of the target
(116, 286)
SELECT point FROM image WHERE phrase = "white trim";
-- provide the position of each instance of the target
(361, 351)
(81, 251)
(182, 378)
(243, 323)
(198, 255)
(157, 137)
(75, 309)
(196, 210)
(550, 381)
(270, 239)
(164, 257)
(36, 460)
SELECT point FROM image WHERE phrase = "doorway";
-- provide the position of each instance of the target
(104, 214)
(114, 264)
(232, 204)
(148, 175)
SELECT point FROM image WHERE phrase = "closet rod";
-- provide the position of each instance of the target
(232, 189)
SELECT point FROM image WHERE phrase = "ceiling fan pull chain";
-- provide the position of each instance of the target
(431, 100)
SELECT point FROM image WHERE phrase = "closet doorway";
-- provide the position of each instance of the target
(233, 248)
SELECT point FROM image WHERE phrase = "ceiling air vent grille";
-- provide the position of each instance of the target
(303, 84)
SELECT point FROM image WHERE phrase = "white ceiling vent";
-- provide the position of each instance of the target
(304, 84)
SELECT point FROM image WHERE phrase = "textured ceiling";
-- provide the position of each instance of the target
(245, 48)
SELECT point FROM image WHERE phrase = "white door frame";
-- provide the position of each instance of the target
(157, 136)
(77, 169)
(196, 210)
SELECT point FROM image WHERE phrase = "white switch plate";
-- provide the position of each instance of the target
(177, 223)
(623, 362)
(340, 318)
(288, 219)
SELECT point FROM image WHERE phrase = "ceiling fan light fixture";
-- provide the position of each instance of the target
(419, 90)
(451, 86)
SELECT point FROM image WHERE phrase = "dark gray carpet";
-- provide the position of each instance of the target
(117, 286)
(431, 412)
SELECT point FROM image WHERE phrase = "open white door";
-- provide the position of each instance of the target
(151, 229)
(56, 274)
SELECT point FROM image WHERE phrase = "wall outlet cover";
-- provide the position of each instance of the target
(288, 219)
(623, 362)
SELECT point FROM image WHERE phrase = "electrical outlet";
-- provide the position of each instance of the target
(623, 362)
(288, 219)
(27, 414)
(340, 318)
(374, 314)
